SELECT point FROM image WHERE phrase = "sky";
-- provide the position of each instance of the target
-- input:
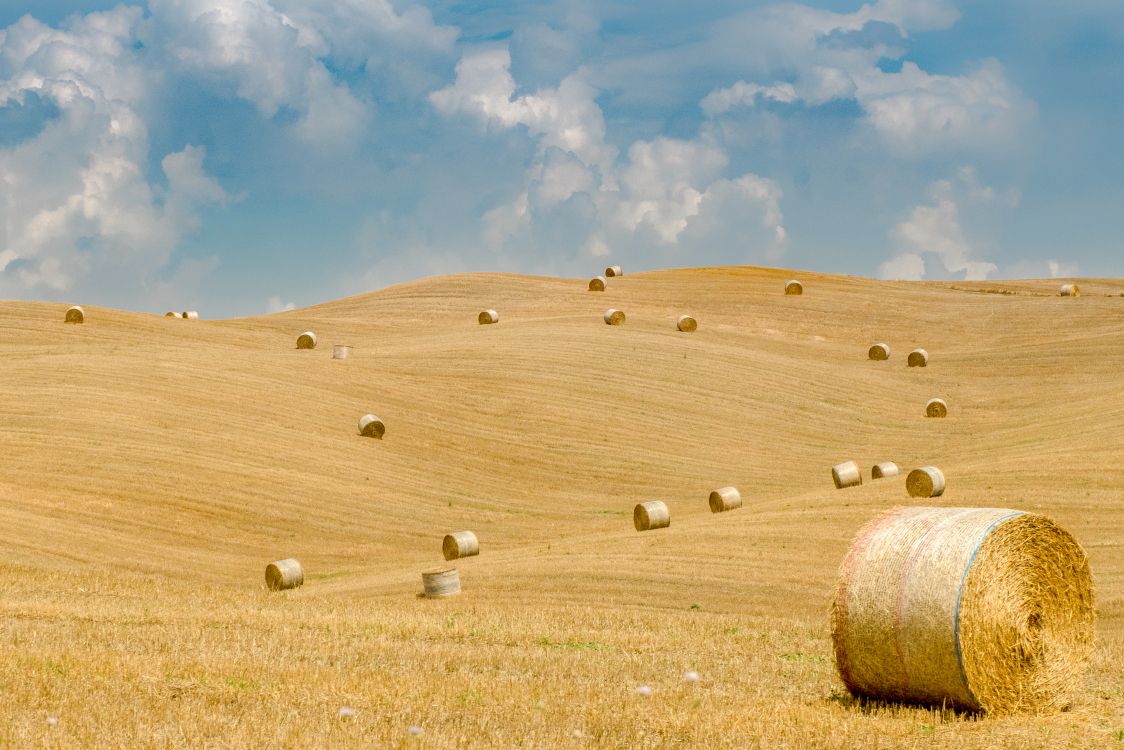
(240, 157)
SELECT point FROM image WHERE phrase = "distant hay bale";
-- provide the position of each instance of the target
(284, 574)
(597, 284)
(614, 317)
(793, 287)
(371, 426)
(306, 340)
(171, 314)
(460, 544)
(190, 315)
(880, 352)
(1070, 290)
(652, 514)
(846, 474)
(75, 314)
(341, 351)
(488, 316)
(936, 407)
(724, 499)
(612, 271)
(918, 358)
(984, 609)
(686, 323)
(441, 582)
(884, 469)
(928, 481)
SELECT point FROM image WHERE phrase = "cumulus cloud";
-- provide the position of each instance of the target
(275, 305)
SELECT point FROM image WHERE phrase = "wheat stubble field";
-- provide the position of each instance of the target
(152, 467)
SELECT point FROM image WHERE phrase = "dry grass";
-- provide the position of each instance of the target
(571, 609)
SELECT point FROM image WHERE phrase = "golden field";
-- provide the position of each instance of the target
(151, 468)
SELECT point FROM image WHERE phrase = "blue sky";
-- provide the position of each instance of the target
(243, 156)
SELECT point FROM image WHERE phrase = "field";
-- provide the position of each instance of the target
(151, 468)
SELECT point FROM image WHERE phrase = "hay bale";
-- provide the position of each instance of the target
(487, 317)
(441, 582)
(597, 284)
(612, 271)
(341, 351)
(614, 317)
(171, 314)
(460, 544)
(936, 407)
(985, 609)
(1070, 290)
(793, 287)
(652, 514)
(190, 315)
(75, 314)
(724, 499)
(846, 474)
(928, 481)
(371, 426)
(880, 352)
(918, 358)
(686, 323)
(284, 574)
(884, 469)
(306, 340)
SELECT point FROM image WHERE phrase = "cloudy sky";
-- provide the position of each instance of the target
(244, 156)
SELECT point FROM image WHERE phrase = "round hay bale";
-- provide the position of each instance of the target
(460, 544)
(75, 314)
(341, 351)
(884, 469)
(487, 317)
(597, 284)
(170, 314)
(928, 481)
(846, 474)
(793, 287)
(686, 323)
(652, 514)
(724, 499)
(614, 317)
(190, 315)
(306, 340)
(985, 609)
(880, 352)
(284, 574)
(936, 407)
(918, 358)
(1070, 290)
(612, 271)
(371, 426)
(441, 582)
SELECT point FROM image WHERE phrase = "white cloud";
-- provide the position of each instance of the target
(743, 94)
(275, 305)
(903, 267)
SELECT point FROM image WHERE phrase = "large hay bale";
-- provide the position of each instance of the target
(306, 340)
(441, 582)
(460, 544)
(190, 315)
(880, 352)
(597, 284)
(918, 358)
(614, 317)
(884, 469)
(487, 317)
(341, 351)
(1070, 290)
(724, 499)
(371, 426)
(792, 286)
(985, 609)
(686, 323)
(928, 481)
(75, 314)
(936, 407)
(171, 314)
(612, 271)
(846, 474)
(652, 514)
(284, 574)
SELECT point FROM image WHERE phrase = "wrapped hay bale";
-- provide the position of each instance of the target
(936, 407)
(686, 323)
(371, 426)
(928, 481)
(341, 351)
(918, 358)
(75, 314)
(460, 544)
(487, 317)
(884, 469)
(1070, 290)
(306, 340)
(441, 582)
(614, 317)
(284, 574)
(597, 284)
(985, 609)
(724, 499)
(190, 315)
(880, 352)
(846, 474)
(612, 271)
(652, 514)
(793, 287)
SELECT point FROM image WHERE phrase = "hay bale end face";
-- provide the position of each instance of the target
(724, 499)
(441, 582)
(597, 284)
(985, 609)
(1070, 290)
(793, 287)
(846, 474)
(884, 469)
(936, 407)
(487, 317)
(686, 323)
(306, 340)
(652, 514)
(460, 544)
(371, 426)
(284, 574)
(879, 352)
(341, 351)
(612, 271)
(928, 481)
(918, 358)
(614, 317)
(75, 314)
